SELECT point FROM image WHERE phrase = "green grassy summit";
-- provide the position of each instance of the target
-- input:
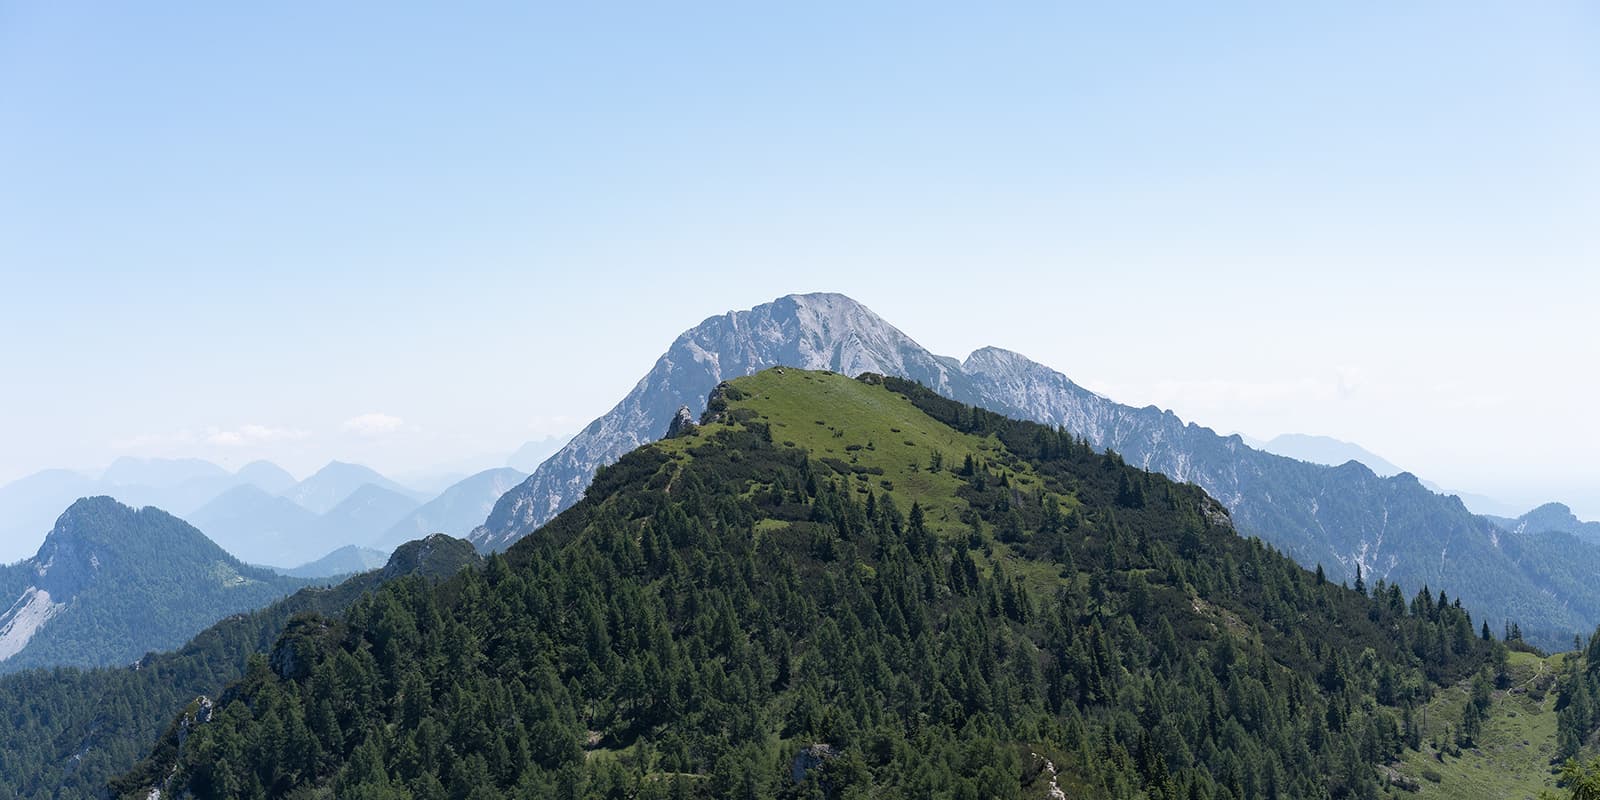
(878, 440)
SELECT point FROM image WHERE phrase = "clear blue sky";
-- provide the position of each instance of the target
(240, 233)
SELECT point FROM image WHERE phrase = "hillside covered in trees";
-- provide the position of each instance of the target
(846, 588)
(67, 732)
(112, 583)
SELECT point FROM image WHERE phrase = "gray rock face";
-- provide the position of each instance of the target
(682, 423)
(808, 759)
(1343, 517)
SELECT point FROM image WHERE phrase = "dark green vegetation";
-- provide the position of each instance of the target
(128, 583)
(1579, 703)
(67, 732)
(954, 604)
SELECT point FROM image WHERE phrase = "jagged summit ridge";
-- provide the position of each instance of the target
(822, 331)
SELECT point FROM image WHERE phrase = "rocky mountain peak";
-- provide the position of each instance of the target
(821, 331)
(995, 360)
(1551, 511)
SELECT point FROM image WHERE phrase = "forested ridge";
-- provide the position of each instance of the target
(130, 581)
(67, 732)
(838, 588)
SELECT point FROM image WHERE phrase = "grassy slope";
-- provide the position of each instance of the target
(884, 429)
(1512, 759)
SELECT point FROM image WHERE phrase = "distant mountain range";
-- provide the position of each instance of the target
(1345, 517)
(364, 515)
(260, 513)
(336, 482)
(358, 505)
(111, 583)
(347, 560)
(1324, 450)
(30, 505)
(1333, 452)
(456, 511)
(258, 527)
(275, 530)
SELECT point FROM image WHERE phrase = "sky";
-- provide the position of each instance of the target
(418, 236)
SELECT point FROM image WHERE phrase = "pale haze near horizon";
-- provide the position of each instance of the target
(416, 240)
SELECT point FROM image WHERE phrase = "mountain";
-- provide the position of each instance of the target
(1333, 452)
(266, 476)
(848, 588)
(441, 476)
(180, 485)
(362, 517)
(29, 506)
(1324, 450)
(1551, 517)
(435, 557)
(346, 560)
(334, 483)
(257, 527)
(814, 331)
(65, 733)
(1344, 517)
(111, 584)
(1482, 505)
(531, 454)
(273, 530)
(456, 511)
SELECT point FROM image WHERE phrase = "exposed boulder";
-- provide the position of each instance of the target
(809, 758)
(682, 423)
